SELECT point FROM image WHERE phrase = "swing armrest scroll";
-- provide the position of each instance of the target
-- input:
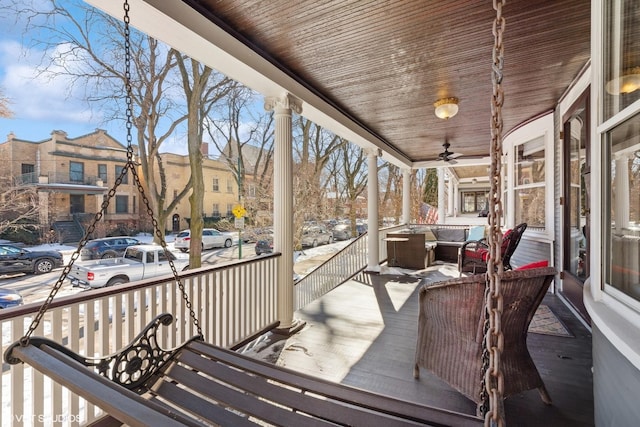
(123, 404)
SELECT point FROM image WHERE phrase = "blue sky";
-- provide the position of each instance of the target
(41, 105)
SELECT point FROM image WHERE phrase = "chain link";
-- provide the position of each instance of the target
(130, 166)
(492, 392)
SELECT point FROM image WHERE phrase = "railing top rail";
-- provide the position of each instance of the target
(94, 294)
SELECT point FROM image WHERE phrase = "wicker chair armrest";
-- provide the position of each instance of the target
(474, 245)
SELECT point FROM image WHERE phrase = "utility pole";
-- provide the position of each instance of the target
(239, 203)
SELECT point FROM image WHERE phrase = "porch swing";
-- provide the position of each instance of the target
(199, 383)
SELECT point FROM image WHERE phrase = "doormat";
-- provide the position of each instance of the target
(547, 323)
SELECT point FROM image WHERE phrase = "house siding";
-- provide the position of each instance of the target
(616, 385)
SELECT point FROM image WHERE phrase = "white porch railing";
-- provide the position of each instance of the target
(232, 302)
(339, 268)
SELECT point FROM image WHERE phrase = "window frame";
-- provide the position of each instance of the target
(118, 204)
(540, 128)
(103, 173)
(73, 173)
(118, 170)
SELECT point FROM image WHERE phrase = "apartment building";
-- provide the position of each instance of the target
(72, 177)
(220, 188)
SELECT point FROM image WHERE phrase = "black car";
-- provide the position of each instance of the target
(19, 260)
(9, 298)
(108, 247)
(264, 245)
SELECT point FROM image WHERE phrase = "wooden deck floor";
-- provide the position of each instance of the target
(363, 334)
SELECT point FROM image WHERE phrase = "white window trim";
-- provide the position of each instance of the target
(538, 128)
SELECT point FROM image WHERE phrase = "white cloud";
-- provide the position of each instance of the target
(37, 96)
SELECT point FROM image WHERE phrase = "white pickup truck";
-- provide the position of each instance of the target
(138, 262)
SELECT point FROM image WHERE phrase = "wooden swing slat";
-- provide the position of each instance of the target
(203, 384)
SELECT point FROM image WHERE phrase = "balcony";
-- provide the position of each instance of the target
(58, 178)
(361, 333)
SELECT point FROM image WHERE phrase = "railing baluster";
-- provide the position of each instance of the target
(234, 302)
(57, 326)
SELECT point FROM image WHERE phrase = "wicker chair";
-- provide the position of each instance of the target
(451, 325)
(473, 254)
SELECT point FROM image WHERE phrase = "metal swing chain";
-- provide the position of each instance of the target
(492, 405)
(134, 172)
(130, 165)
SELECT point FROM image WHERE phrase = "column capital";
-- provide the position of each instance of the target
(373, 151)
(287, 101)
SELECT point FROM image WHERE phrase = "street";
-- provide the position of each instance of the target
(36, 288)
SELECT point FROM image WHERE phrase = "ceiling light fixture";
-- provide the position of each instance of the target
(446, 108)
(626, 83)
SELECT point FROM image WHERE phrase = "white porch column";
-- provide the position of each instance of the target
(442, 213)
(283, 203)
(456, 198)
(406, 196)
(451, 196)
(373, 249)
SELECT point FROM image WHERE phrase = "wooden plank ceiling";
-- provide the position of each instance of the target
(385, 63)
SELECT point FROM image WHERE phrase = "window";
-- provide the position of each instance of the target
(102, 172)
(229, 209)
(230, 185)
(28, 174)
(216, 210)
(621, 59)
(622, 223)
(474, 201)
(125, 179)
(122, 204)
(76, 172)
(529, 183)
(216, 186)
(76, 203)
(250, 190)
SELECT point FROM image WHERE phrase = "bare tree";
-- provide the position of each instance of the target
(313, 147)
(354, 170)
(5, 111)
(202, 91)
(392, 194)
(18, 205)
(244, 139)
(86, 47)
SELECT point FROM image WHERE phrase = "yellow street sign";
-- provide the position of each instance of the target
(239, 211)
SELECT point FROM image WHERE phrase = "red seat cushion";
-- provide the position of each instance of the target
(483, 254)
(536, 264)
(505, 241)
(480, 254)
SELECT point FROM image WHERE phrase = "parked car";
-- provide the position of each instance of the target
(211, 238)
(264, 245)
(9, 298)
(20, 260)
(108, 247)
(361, 229)
(254, 234)
(342, 232)
(315, 235)
(138, 262)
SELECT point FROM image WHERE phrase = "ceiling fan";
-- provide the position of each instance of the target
(448, 156)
